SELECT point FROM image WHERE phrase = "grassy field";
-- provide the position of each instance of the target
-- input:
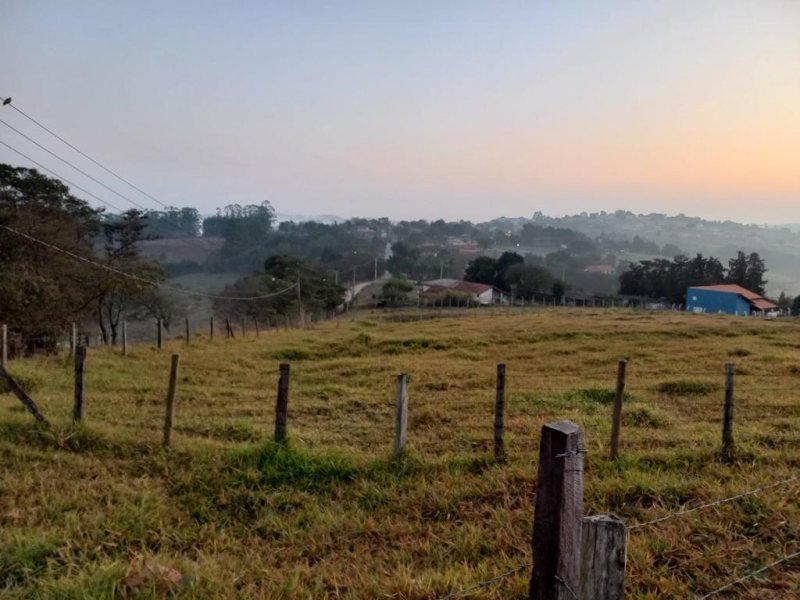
(332, 515)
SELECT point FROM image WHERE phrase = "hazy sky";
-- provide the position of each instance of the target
(419, 109)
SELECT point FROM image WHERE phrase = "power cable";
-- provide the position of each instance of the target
(58, 137)
(62, 178)
(142, 279)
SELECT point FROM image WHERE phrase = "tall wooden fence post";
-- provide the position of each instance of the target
(401, 415)
(211, 329)
(73, 340)
(169, 415)
(499, 410)
(124, 338)
(160, 334)
(558, 513)
(255, 321)
(4, 349)
(188, 335)
(79, 406)
(603, 555)
(727, 416)
(282, 405)
(616, 422)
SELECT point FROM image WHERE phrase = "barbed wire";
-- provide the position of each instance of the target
(682, 513)
(486, 583)
(786, 558)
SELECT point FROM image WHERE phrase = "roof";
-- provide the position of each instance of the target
(470, 286)
(756, 300)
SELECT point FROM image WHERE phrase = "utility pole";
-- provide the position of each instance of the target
(376, 270)
(353, 294)
(300, 303)
(441, 270)
(336, 277)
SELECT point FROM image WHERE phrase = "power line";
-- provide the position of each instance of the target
(142, 279)
(62, 178)
(54, 134)
(78, 169)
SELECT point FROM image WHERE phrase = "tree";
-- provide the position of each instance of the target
(396, 291)
(481, 270)
(503, 263)
(528, 279)
(116, 292)
(43, 290)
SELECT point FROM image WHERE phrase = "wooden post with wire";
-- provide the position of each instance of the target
(73, 340)
(211, 329)
(244, 327)
(401, 415)
(558, 513)
(169, 414)
(188, 335)
(124, 338)
(4, 343)
(727, 415)
(160, 334)
(282, 404)
(79, 404)
(603, 556)
(616, 421)
(26, 400)
(499, 410)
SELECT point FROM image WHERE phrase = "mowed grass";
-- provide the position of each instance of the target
(332, 515)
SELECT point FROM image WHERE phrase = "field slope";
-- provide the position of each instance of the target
(332, 515)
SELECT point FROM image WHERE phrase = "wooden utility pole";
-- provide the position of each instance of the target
(301, 318)
(169, 415)
(616, 421)
(499, 410)
(727, 416)
(401, 415)
(282, 404)
(557, 517)
(79, 406)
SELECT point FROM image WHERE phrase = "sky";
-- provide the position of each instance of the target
(455, 110)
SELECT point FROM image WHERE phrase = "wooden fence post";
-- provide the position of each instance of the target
(211, 329)
(124, 338)
(188, 335)
(244, 328)
(169, 416)
(616, 421)
(160, 334)
(73, 340)
(727, 416)
(26, 400)
(499, 410)
(228, 327)
(282, 405)
(79, 406)
(603, 555)
(255, 321)
(401, 415)
(4, 349)
(558, 513)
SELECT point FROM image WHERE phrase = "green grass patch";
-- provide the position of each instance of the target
(686, 387)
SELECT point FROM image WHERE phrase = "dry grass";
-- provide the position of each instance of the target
(332, 515)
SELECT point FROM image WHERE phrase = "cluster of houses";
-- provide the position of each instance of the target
(729, 299)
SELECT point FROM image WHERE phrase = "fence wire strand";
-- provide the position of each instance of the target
(682, 513)
(750, 575)
(486, 583)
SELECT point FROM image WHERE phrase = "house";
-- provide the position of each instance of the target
(730, 299)
(602, 269)
(477, 292)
